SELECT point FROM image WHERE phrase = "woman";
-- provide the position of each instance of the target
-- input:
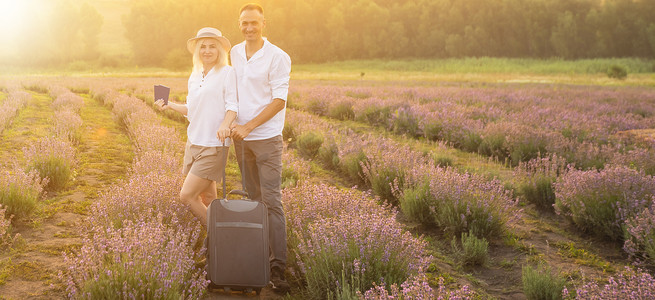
(211, 108)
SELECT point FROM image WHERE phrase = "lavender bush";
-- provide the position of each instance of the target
(456, 202)
(534, 118)
(20, 191)
(405, 122)
(640, 237)
(6, 238)
(473, 251)
(140, 260)
(335, 232)
(294, 170)
(343, 110)
(10, 107)
(540, 284)
(459, 203)
(601, 201)
(53, 159)
(536, 178)
(637, 158)
(309, 143)
(387, 165)
(67, 126)
(142, 198)
(141, 242)
(68, 101)
(629, 284)
(416, 288)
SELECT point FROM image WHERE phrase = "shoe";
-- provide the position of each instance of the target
(280, 285)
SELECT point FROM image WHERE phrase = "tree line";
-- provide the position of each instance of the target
(322, 30)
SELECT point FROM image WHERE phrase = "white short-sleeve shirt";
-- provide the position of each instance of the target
(260, 79)
(209, 98)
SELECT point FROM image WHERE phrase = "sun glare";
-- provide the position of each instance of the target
(14, 17)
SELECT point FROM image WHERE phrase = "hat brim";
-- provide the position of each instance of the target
(225, 43)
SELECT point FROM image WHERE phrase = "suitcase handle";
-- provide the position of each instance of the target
(241, 193)
(238, 192)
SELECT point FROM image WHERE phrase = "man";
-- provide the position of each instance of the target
(262, 86)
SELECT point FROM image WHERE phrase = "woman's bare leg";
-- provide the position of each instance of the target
(192, 188)
(209, 194)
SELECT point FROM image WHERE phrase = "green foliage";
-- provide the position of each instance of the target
(526, 150)
(289, 134)
(471, 142)
(539, 190)
(433, 131)
(415, 203)
(309, 143)
(342, 111)
(351, 165)
(178, 59)
(290, 177)
(36, 88)
(493, 145)
(79, 90)
(443, 161)
(406, 123)
(348, 287)
(91, 24)
(18, 202)
(474, 251)
(80, 65)
(329, 156)
(481, 220)
(109, 287)
(618, 72)
(317, 106)
(540, 284)
(482, 65)
(357, 94)
(20, 192)
(383, 179)
(538, 29)
(58, 171)
(375, 115)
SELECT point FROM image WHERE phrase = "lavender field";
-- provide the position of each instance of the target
(393, 190)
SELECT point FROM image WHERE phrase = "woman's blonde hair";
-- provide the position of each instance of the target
(221, 61)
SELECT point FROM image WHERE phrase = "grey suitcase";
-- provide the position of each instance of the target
(237, 243)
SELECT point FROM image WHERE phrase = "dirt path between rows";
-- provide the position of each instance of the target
(104, 154)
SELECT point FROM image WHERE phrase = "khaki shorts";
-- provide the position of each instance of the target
(205, 162)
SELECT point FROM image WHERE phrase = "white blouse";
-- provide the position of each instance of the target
(209, 98)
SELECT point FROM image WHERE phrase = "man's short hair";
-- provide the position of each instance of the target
(252, 6)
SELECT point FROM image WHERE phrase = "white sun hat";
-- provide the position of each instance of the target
(208, 32)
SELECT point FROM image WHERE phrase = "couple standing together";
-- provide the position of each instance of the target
(245, 102)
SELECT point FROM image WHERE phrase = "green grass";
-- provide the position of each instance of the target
(106, 139)
(583, 257)
(484, 69)
(6, 269)
(32, 122)
(486, 65)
